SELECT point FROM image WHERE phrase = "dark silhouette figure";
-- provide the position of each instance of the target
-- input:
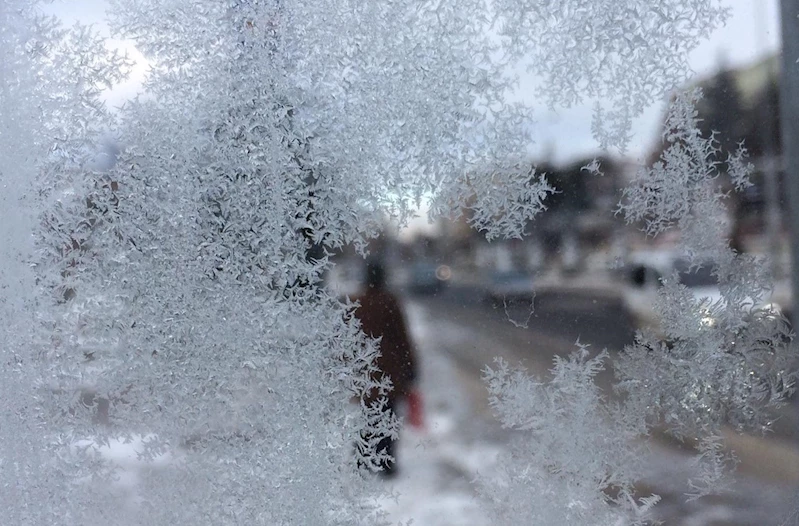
(381, 317)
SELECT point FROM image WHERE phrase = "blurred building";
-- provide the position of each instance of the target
(579, 219)
(741, 106)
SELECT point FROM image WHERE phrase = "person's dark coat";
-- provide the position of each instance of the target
(381, 317)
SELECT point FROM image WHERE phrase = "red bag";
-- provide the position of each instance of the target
(415, 413)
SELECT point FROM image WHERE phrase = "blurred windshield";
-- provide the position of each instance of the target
(703, 276)
(509, 277)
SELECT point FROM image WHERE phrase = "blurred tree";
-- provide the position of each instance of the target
(761, 122)
(721, 110)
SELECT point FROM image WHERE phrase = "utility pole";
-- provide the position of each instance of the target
(770, 165)
(789, 117)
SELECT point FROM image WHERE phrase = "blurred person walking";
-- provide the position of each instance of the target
(381, 316)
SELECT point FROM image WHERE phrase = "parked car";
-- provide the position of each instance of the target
(643, 277)
(428, 278)
(510, 287)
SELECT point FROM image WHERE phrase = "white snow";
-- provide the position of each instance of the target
(437, 464)
(459, 441)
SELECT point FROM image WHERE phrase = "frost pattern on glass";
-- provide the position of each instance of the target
(575, 459)
(626, 53)
(385, 101)
(173, 301)
(672, 192)
(500, 201)
(50, 117)
(718, 362)
(268, 134)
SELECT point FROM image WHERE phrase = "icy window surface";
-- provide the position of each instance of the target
(624, 53)
(557, 471)
(50, 117)
(725, 361)
(174, 301)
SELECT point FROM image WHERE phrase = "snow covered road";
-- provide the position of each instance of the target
(462, 440)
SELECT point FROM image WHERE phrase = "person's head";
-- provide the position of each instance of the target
(375, 274)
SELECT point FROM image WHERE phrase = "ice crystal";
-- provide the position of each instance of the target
(715, 466)
(626, 53)
(682, 189)
(556, 472)
(717, 362)
(173, 301)
(500, 201)
(50, 118)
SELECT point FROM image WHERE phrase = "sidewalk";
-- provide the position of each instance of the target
(768, 458)
(595, 284)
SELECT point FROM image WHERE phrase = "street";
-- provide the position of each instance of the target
(458, 333)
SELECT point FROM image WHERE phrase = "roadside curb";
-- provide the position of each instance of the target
(591, 287)
(597, 288)
(767, 458)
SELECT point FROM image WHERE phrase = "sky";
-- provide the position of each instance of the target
(752, 31)
(562, 136)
